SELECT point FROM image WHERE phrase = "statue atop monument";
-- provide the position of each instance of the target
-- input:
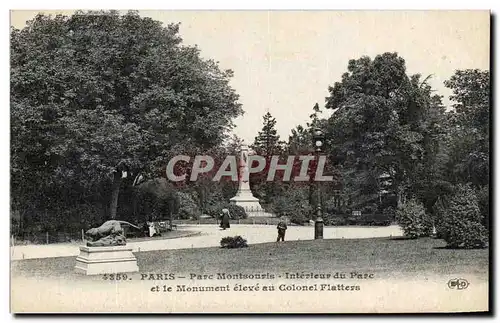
(244, 197)
(243, 165)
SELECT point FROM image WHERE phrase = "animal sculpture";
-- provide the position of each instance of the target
(110, 233)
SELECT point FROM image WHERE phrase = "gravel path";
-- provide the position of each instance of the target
(210, 236)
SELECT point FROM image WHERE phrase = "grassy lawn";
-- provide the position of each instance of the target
(383, 256)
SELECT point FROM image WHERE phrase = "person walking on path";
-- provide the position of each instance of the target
(281, 230)
(224, 223)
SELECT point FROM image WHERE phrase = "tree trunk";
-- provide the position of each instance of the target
(311, 193)
(115, 192)
(202, 195)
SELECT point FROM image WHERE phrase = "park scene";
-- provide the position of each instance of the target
(134, 154)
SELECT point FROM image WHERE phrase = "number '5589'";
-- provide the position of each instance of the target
(114, 277)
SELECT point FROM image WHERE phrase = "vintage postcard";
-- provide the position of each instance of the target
(249, 161)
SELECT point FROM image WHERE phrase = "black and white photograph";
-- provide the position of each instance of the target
(250, 161)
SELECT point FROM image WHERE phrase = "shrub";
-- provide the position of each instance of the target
(372, 219)
(376, 219)
(280, 206)
(390, 213)
(483, 200)
(461, 225)
(188, 207)
(153, 200)
(301, 213)
(334, 220)
(233, 242)
(369, 209)
(214, 210)
(298, 218)
(236, 211)
(293, 203)
(413, 219)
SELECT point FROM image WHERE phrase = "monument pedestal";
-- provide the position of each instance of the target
(246, 200)
(105, 260)
(251, 204)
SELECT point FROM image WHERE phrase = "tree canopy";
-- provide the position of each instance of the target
(267, 142)
(384, 124)
(96, 94)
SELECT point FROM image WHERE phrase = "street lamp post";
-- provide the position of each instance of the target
(318, 141)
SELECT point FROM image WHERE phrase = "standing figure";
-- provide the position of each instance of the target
(152, 229)
(224, 223)
(281, 230)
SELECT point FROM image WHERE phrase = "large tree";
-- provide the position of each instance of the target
(98, 95)
(267, 142)
(300, 141)
(382, 121)
(469, 122)
(468, 141)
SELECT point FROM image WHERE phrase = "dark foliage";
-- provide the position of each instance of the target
(236, 211)
(413, 220)
(233, 242)
(461, 225)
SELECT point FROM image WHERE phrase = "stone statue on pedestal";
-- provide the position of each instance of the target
(106, 251)
(244, 197)
(110, 233)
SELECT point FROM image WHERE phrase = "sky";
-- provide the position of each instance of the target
(284, 61)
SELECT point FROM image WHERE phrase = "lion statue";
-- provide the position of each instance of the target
(110, 233)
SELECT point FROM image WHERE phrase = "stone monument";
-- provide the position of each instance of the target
(244, 197)
(106, 251)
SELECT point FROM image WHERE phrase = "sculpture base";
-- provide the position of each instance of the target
(244, 198)
(248, 202)
(105, 260)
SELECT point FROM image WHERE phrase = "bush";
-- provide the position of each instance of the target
(188, 208)
(233, 242)
(377, 219)
(413, 219)
(294, 204)
(214, 210)
(461, 225)
(236, 211)
(483, 200)
(301, 213)
(334, 220)
(153, 200)
(373, 219)
(280, 206)
(369, 209)
(298, 218)
(389, 213)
